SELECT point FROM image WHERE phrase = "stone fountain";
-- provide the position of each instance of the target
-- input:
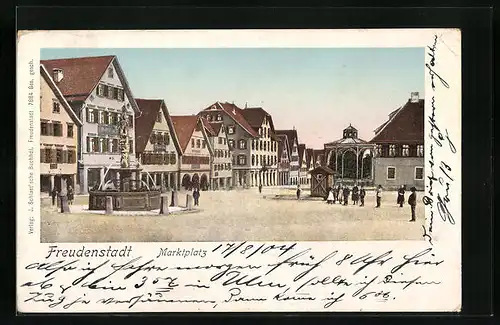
(128, 193)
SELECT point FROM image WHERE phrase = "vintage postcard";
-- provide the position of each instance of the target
(239, 170)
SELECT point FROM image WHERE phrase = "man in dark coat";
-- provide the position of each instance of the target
(53, 194)
(196, 196)
(298, 192)
(355, 194)
(401, 196)
(378, 194)
(260, 188)
(412, 201)
(346, 195)
(362, 194)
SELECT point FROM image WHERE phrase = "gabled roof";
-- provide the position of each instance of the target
(346, 141)
(291, 135)
(184, 127)
(235, 113)
(216, 126)
(309, 156)
(302, 150)
(45, 75)
(145, 122)
(255, 117)
(319, 156)
(283, 143)
(82, 75)
(322, 170)
(208, 127)
(405, 125)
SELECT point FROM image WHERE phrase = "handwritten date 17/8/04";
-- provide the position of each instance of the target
(249, 250)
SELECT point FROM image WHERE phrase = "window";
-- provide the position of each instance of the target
(253, 160)
(405, 151)
(260, 131)
(192, 143)
(104, 145)
(220, 140)
(253, 144)
(59, 156)
(420, 150)
(231, 143)
(57, 129)
(230, 129)
(198, 143)
(70, 130)
(391, 172)
(120, 94)
(219, 117)
(158, 117)
(71, 157)
(419, 173)
(392, 150)
(260, 144)
(242, 160)
(110, 72)
(115, 93)
(265, 146)
(56, 107)
(203, 144)
(242, 144)
(44, 129)
(110, 92)
(105, 90)
(224, 140)
(378, 150)
(100, 90)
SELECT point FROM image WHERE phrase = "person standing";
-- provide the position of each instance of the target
(330, 199)
(196, 196)
(298, 192)
(412, 201)
(346, 195)
(260, 188)
(71, 195)
(401, 196)
(362, 194)
(355, 194)
(53, 195)
(337, 194)
(379, 195)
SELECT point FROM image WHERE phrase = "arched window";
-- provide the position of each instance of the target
(253, 160)
(253, 144)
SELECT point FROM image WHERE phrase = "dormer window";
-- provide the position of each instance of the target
(219, 117)
(230, 129)
(158, 117)
(392, 150)
(110, 72)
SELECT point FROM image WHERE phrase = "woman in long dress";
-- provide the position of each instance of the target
(331, 197)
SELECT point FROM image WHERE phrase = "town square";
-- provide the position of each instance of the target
(121, 164)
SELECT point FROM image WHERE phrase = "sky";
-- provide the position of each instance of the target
(319, 91)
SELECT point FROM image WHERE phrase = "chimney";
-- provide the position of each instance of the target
(57, 75)
(414, 97)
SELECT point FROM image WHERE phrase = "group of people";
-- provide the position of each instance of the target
(70, 194)
(341, 194)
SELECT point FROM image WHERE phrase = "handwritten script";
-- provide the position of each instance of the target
(237, 273)
(440, 180)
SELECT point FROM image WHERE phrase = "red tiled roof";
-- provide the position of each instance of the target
(405, 125)
(146, 120)
(184, 128)
(80, 75)
(216, 126)
(255, 117)
(208, 127)
(236, 114)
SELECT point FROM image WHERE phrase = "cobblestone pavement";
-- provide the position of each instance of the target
(243, 215)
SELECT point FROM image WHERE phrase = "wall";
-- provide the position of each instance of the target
(197, 152)
(221, 160)
(405, 172)
(47, 98)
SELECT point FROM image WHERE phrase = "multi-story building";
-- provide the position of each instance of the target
(58, 137)
(399, 151)
(293, 142)
(98, 92)
(302, 164)
(156, 144)
(264, 149)
(239, 134)
(195, 161)
(283, 160)
(309, 163)
(222, 158)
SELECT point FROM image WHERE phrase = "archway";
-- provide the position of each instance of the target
(186, 181)
(204, 182)
(349, 164)
(195, 181)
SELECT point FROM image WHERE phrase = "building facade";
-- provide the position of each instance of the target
(302, 165)
(197, 153)
(264, 149)
(222, 174)
(309, 164)
(98, 92)
(58, 137)
(293, 142)
(399, 151)
(239, 134)
(284, 160)
(157, 146)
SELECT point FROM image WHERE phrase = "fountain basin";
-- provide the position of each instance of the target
(125, 201)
